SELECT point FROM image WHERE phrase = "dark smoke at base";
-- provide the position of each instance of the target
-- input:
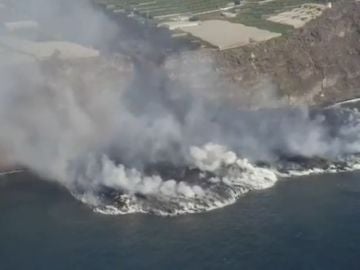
(154, 141)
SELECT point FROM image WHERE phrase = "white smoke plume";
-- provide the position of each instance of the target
(106, 122)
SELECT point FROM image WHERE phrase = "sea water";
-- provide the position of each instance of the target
(309, 222)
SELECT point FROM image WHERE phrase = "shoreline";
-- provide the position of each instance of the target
(347, 101)
(9, 172)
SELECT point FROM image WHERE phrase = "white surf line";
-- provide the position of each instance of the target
(353, 100)
(10, 172)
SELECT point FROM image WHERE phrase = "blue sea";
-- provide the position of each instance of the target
(308, 222)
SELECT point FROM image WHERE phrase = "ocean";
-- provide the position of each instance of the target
(309, 222)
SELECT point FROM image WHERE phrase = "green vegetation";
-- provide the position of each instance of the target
(250, 12)
(155, 8)
(254, 13)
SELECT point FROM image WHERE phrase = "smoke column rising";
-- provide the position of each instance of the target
(85, 128)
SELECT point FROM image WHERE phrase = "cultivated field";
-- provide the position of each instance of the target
(166, 8)
(226, 35)
(257, 12)
(299, 16)
(272, 17)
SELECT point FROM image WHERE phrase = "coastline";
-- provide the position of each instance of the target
(8, 172)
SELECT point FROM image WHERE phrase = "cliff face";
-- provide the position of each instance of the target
(318, 64)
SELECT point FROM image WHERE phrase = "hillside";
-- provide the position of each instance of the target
(317, 64)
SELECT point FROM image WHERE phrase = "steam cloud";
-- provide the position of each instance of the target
(88, 126)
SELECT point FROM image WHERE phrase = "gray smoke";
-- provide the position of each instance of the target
(57, 117)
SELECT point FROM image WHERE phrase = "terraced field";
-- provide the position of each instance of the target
(254, 13)
(164, 8)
